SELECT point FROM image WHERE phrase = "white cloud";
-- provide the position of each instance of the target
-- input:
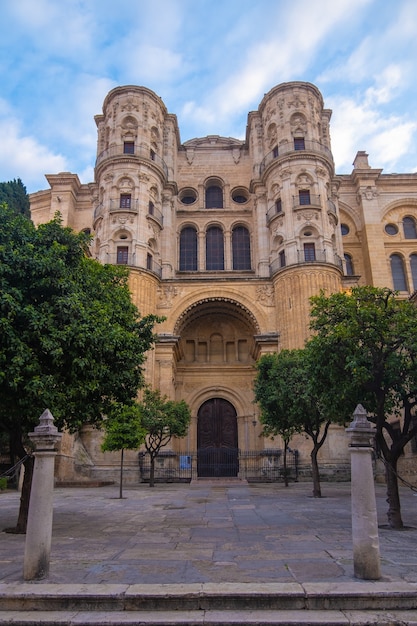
(63, 28)
(356, 125)
(286, 51)
(387, 85)
(23, 156)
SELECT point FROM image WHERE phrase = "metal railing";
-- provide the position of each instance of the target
(114, 207)
(156, 215)
(273, 212)
(139, 151)
(129, 207)
(130, 261)
(319, 256)
(252, 465)
(288, 148)
(311, 200)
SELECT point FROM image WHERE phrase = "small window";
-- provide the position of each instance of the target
(149, 261)
(344, 228)
(299, 143)
(151, 208)
(122, 255)
(391, 229)
(152, 154)
(125, 200)
(349, 265)
(240, 196)
(275, 152)
(398, 273)
(214, 197)
(409, 226)
(188, 200)
(282, 258)
(309, 252)
(188, 196)
(129, 147)
(278, 205)
(304, 196)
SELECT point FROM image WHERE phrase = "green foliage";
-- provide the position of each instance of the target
(276, 389)
(70, 338)
(162, 419)
(291, 403)
(123, 429)
(3, 484)
(13, 193)
(365, 350)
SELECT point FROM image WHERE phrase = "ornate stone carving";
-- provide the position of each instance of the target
(369, 193)
(166, 295)
(265, 295)
(236, 155)
(189, 153)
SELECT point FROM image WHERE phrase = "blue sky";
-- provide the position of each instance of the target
(211, 61)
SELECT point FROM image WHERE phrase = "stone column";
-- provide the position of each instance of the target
(39, 526)
(366, 561)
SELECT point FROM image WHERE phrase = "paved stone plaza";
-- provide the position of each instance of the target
(208, 532)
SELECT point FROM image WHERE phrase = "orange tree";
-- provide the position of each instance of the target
(161, 419)
(290, 403)
(71, 339)
(365, 350)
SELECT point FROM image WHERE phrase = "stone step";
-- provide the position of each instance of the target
(209, 618)
(362, 596)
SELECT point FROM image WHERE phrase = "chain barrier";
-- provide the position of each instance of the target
(15, 467)
(402, 480)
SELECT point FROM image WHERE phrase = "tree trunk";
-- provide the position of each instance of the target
(393, 496)
(315, 473)
(22, 519)
(121, 475)
(152, 473)
(285, 464)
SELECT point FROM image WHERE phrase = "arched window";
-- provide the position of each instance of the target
(409, 226)
(349, 265)
(214, 249)
(413, 266)
(214, 197)
(241, 248)
(188, 249)
(398, 273)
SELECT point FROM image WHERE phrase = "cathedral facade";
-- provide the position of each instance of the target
(227, 240)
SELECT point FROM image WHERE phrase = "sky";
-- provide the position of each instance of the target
(211, 62)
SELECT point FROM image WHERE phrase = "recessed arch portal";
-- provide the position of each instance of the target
(216, 331)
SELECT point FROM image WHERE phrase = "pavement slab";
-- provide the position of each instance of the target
(206, 532)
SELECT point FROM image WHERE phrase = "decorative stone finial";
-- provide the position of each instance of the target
(361, 429)
(45, 435)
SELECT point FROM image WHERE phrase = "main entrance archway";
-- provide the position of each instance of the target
(217, 441)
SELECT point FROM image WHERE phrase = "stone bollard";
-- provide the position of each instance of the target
(39, 526)
(366, 561)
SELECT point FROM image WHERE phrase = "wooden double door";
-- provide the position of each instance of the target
(217, 441)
